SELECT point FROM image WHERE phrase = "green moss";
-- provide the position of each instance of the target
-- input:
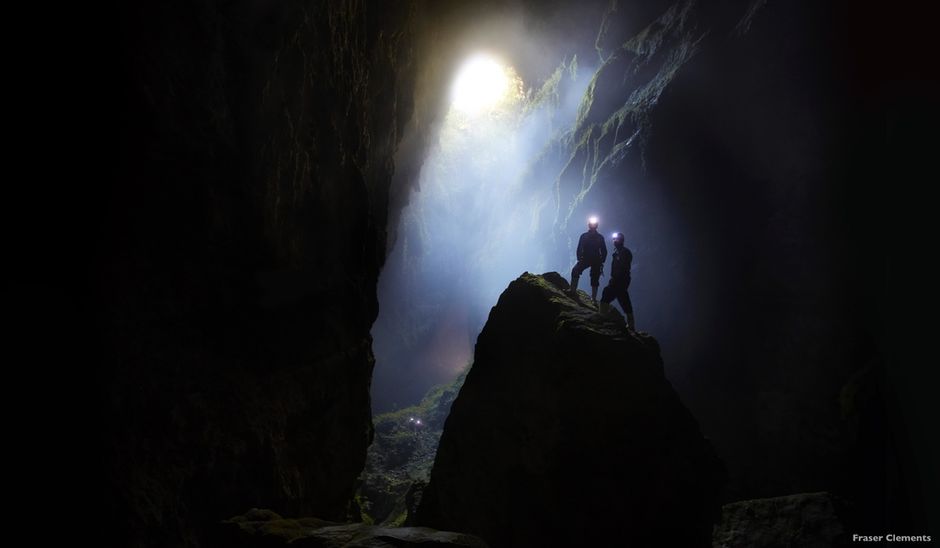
(363, 505)
(403, 452)
(573, 68)
(398, 520)
(548, 93)
(265, 523)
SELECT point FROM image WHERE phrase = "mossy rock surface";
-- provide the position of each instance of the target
(809, 520)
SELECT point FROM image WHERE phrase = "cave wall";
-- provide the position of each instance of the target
(725, 140)
(255, 154)
(236, 275)
(233, 252)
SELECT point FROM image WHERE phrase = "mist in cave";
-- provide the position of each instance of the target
(476, 220)
(719, 169)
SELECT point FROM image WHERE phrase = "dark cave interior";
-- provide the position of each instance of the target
(261, 160)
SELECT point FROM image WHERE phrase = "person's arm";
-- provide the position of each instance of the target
(580, 252)
(603, 250)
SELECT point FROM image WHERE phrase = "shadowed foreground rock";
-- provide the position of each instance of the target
(808, 520)
(264, 528)
(567, 433)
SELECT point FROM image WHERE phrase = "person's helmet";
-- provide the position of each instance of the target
(617, 237)
(592, 221)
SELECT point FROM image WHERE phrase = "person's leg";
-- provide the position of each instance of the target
(606, 298)
(609, 294)
(595, 280)
(576, 274)
(624, 299)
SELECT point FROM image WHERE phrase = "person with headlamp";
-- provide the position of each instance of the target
(620, 264)
(592, 252)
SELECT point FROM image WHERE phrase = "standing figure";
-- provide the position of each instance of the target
(592, 252)
(619, 281)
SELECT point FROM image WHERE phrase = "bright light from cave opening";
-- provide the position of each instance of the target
(481, 83)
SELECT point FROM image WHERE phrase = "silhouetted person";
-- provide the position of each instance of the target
(592, 252)
(619, 282)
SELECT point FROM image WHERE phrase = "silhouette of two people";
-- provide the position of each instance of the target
(592, 253)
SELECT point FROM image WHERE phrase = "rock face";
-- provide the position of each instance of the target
(723, 140)
(807, 519)
(567, 433)
(236, 275)
(233, 258)
(263, 528)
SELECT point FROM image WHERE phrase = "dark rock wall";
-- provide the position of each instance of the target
(567, 433)
(723, 139)
(239, 254)
(235, 246)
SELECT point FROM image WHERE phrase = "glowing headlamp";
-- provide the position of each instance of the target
(592, 221)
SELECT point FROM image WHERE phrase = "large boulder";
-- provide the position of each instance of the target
(567, 433)
(810, 520)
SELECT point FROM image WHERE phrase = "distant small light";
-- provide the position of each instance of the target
(419, 421)
(412, 419)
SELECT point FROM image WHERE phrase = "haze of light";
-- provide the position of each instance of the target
(482, 82)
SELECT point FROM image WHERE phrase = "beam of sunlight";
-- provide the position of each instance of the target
(473, 224)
